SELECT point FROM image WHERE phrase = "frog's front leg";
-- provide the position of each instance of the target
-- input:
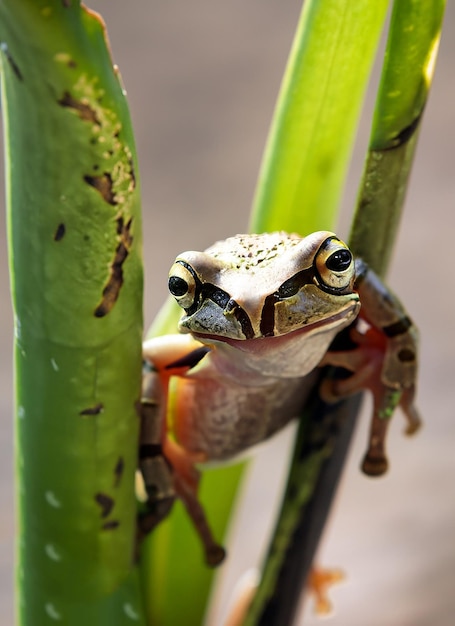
(384, 361)
(156, 471)
(168, 470)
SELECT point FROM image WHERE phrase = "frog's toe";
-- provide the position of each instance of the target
(328, 392)
(414, 421)
(319, 582)
(374, 465)
(215, 555)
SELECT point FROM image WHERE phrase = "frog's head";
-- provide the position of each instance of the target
(255, 286)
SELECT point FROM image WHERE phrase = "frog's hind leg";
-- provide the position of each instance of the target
(214, 553)
(186, 482)
(168, 473)
(319, 583)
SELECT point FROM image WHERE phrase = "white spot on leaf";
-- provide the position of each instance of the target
(52, 499)
(130, 612)
(52, 611)
(21, 412)
(52, 552)
(55, 367)
(17, 328)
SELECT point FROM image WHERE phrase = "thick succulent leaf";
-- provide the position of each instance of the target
(76, 271)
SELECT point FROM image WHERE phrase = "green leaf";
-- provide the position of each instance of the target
(312, 133)
(75, 254)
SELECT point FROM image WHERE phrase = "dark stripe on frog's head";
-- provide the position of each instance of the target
(289, 288)
(227, 304)
(207, 291)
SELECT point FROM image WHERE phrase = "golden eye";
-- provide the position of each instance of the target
(182, 284)
(335, 264)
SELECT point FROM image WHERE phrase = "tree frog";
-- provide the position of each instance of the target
(260, 314)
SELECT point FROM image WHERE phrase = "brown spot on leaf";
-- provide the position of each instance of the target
(93, 410)
(105, 502)
(115, 281)
(132, 173)
(118, 471)
(120, 223)
(111, 525)
(83, 109)
(103, 184)
(60, 232)
(11, 61)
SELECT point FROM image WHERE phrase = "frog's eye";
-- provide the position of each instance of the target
(335, 264)
(182, 284)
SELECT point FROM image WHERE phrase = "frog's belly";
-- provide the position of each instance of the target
(222, 420)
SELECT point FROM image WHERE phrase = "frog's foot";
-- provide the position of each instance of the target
(319, 582)
(242, 597)
(366, 364)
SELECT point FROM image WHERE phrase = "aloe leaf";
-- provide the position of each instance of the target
(74, 229)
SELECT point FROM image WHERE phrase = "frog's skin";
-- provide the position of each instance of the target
(260, 315)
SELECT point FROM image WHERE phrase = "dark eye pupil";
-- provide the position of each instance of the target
(177, 286)
(339, 261)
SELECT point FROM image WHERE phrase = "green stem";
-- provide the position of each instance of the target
(409, 64)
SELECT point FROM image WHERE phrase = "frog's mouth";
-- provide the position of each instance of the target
(262, 343)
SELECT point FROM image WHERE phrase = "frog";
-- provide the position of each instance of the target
(261, 314)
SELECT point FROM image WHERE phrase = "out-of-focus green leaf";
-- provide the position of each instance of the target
(312, 133)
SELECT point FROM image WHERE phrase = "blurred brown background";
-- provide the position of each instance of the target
(202, 79)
